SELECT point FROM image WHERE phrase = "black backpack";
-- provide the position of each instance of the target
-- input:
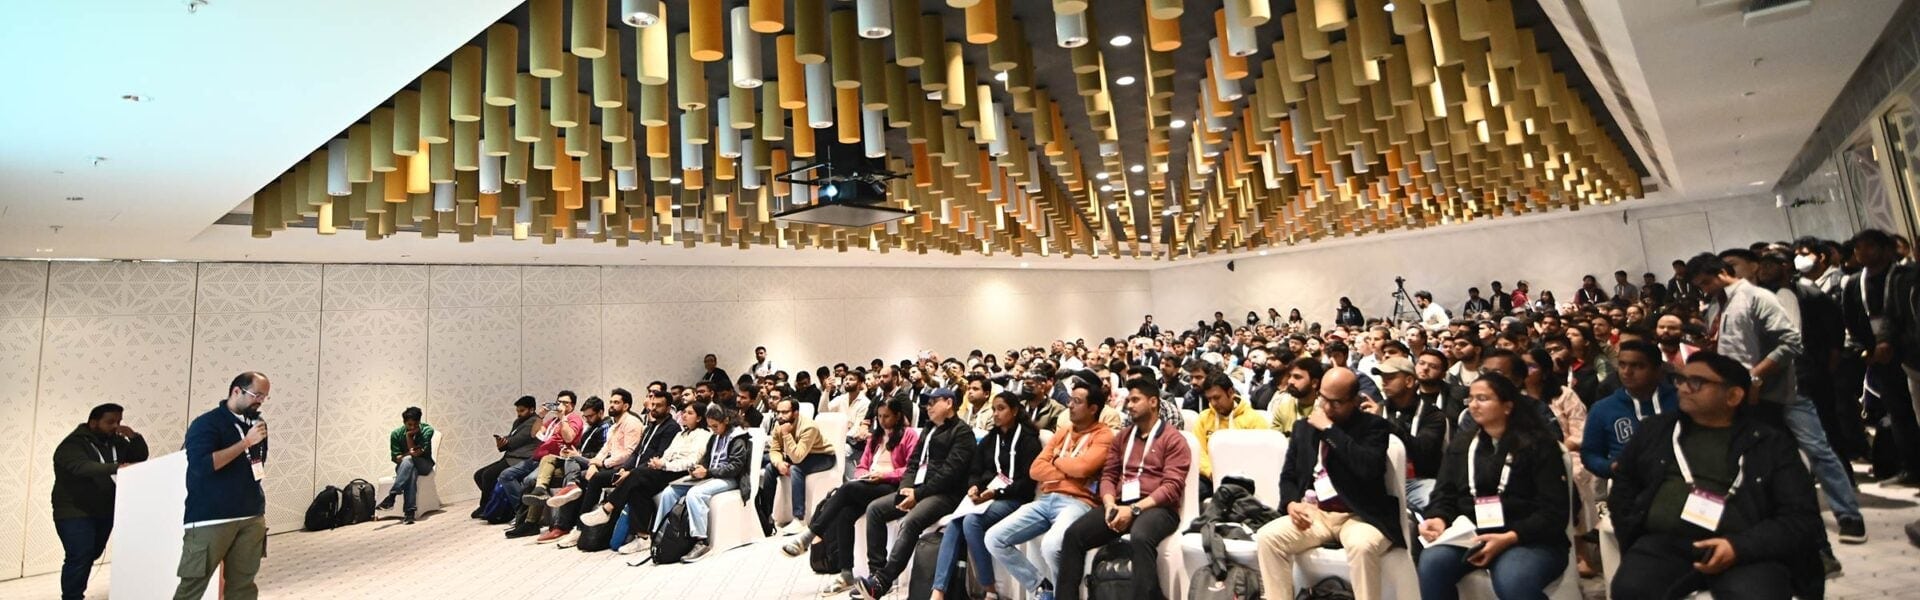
(499, 508)
(359, 502)
(595, 538)
(1112, 575)
(327, 510)
(1331, 588)
(1220, 578)
(674, 539)
(820, 555)
(926, 556)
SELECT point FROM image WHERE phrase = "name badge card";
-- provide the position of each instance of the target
(1703, 508)
(1487, 513)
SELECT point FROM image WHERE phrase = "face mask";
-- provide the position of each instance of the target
(1802, 263)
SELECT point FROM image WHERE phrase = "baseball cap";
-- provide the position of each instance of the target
(1397, 364)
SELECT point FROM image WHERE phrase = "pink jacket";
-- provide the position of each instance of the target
(909, 437)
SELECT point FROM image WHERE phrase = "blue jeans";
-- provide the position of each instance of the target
(1050, 514)
(1804, 422)
(974, 529)
(84, 539)
(1521, 572)
(697, 495)
(404, 479)
(512, 478)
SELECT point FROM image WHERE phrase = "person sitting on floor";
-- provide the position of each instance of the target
(1333, 487)
(724, 468)
(938, 471)
(1000, 481)
(876, 476)
(1507, 479)
(795, 451)
(410, 446)
(1709, 498)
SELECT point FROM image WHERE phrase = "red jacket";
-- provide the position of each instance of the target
(1163, 474)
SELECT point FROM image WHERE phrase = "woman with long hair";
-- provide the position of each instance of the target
(878, 474)
(1507, 481)
(725, 467)
(636, 491)
(1000, 482)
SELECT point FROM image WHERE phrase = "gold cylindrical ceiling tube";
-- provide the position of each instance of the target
(767, 16)
(653, 105)
(691, 85)
(1409, 18)
(983, 22)
(435, 101)
(906, 33)
(773, 120)
(503, 55)
(653, 51)
(933, 43)
(381, 141)
(359, 154)
(1165, 10)
(793, 84)
(745, 63)
(954, 96)
(1328, 15)
(1443, 27)
(1314, 44)
(846, 48)
(406, 122)
(609, 86)
(545, 23)
(588, 37)
(562, 111)
(527, 116)
(1473, 18)
(706, 40)
(810, 31)
(466, 146)
(466, 99)
(873, 74)
(742, 116)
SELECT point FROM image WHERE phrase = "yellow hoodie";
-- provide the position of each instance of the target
(1243, 417)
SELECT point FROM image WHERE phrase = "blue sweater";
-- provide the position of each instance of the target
(1611, 422)
(229, 492)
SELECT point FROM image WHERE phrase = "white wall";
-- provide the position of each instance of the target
(1550, 253)
(348, 346)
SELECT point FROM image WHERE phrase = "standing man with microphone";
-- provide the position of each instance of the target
(225, 524)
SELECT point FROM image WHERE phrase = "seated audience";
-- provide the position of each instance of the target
(410, 447)
(1420, 427)
(724, 468)
(1040, 405)
(673, 447)
(560, 428)
(1141, 489)
(794, 451)
(622, 433)
(999, 480)
(1709, 498)
(877, 476)
(1507, 480)
(1644, 393)
(515, 447)
(1301, 386)
(1225, 410)
(1333, 488)
(936, 482)
(1064, 472)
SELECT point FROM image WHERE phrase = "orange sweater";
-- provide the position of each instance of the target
(1058, 469)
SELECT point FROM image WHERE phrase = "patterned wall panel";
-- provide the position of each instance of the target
(255, 287)
(23, 293)
(373, 364)
(560, 350)
(552, 286)
(356, 287)
(285, 346)
(115, 332)
(473, 376)
(461, 286)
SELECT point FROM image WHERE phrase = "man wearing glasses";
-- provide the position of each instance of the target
(225, 524)
(1710, 498)
(1041, 407)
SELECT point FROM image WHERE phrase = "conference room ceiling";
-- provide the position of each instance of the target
(239, 95)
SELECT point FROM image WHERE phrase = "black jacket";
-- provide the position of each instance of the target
(1903, 313)
(1535, 502)
(520, 440)
(1357, 464)
(1776, 499)
(733, 465)
(1426, 440)
(951, 449)
(1026, 448)
(83, 467)
(654, 441)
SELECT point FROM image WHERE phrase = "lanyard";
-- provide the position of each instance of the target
(1506, 469)
(1012, 444)
(719, 443)
(1082, 445)
(1637, 415)
(1739, 466)
(111, 450)
(1127, 455)
(926, 439)
(1419, 407)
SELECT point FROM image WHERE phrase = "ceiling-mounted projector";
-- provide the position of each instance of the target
(849, 189)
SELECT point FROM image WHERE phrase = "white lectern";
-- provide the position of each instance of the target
(147, 529)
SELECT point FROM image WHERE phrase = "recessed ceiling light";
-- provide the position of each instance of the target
(1106, 187)
(1137, 168)
(1001, 76)
(1388, 7)
(1100, 175)
(1143, 238)
(1120, 40)
(75, 198)
(1124, 80)
(1759, 182)
(675, 181)
(1178, 124)
(1113, 206)
(43, 250)
(1139, 192)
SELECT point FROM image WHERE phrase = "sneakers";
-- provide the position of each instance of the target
(1853, 530)
(839, 584)
(567, 494)
(523, 529)
(637, 545)
(596, 517)
(796, 527)
(798, 546)
(537, 496)
(699, 551)
(1831, 564)
(387, 504)
(871, 588)
(479, 513)
(409, 519)
(551, 535)
(570, 540)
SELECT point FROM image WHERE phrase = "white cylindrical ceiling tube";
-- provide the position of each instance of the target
(745, 58)
(490, 173)
(639, 13)
(875, 18)
(337, 184)
(443, 197)
(1070, 31)
(819, 95)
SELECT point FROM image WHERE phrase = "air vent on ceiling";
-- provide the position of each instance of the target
(1761, 12)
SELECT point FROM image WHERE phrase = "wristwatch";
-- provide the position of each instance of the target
(1134, 509)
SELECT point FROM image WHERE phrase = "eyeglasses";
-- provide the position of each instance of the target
(1695, 382)
(250, 394)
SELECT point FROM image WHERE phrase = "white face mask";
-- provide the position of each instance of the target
(1802, 263)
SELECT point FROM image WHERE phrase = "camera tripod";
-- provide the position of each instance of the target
(1404, 310)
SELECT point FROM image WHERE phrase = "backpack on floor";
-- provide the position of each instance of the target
(1112, 575)
(499, 508)
(1331, 588)
(926, 556)
(1220, 578)
(360, 503)
(596, 538)
(820, 554)
(327, 510)
(675, 538)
